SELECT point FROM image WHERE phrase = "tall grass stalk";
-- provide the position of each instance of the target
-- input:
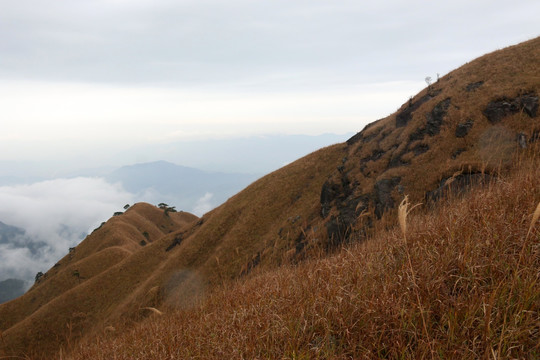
(535, 217)
(403, 212)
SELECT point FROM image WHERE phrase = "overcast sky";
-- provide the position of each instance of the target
(102, 76)
(109, 82)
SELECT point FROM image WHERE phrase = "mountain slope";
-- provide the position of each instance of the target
(181, 253)
(465, 129)
(462, 284)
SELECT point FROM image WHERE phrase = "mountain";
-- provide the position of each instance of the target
(242, 155)
(252, 155)
(177, 185)
(471, 127)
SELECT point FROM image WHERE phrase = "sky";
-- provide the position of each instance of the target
(110, 82)
(100, 77)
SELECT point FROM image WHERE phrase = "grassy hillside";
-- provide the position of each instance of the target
(461, 283)
(118, 277)
(84, 286)
(478, 125)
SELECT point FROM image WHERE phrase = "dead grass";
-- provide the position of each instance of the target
(464, 285)
(535, 217)
(456, 283)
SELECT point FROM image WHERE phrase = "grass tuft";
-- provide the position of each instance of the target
(535, 217)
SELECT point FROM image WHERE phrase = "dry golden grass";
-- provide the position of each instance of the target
(438, 289)
(62, 308)
(508, 73)
(110, 262)
(464, 285)
(535, 217)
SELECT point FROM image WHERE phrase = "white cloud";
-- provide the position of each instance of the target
(63, 120)
(54, 214)
(105, 75)
(204, 204)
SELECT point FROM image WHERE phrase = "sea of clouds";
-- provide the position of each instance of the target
(55, 215)
(58, 214)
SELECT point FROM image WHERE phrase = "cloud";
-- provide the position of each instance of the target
(213, 41)
(55, 216)
(204, 204)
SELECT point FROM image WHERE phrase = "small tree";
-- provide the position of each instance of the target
(170, 209)
(163, 206)
(126, 206)
(428, 82)
(39, 275)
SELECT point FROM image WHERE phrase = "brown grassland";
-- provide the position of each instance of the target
(317, 260)
(462, 284)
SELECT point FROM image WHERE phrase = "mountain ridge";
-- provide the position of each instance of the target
(327, 199)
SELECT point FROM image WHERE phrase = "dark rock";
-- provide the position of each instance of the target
(463, 129)
(383, 195)
(529, 103)
(329, 192)
(497, 110)
(334, 231)
(535, 136)
(473, 86)
(361, 135)
(396, 161)
(420, 149)
(433, 122)
(300, 243)
(418, 134)
(176, 241)
(435, 117)
(457, 152)
(355, 138)
(338, 228)
(375, 155)
(522, 140)
(403, 117)
(348, 207)
(458, 185)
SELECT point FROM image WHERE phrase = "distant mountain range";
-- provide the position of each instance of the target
(248, 155)
(184, 187)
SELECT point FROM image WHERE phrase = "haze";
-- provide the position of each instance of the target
(100, 77)
(86, 87)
